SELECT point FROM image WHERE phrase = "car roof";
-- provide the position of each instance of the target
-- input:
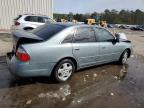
(66, 25)
(34, 15)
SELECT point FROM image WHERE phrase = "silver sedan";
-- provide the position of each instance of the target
(58, 50)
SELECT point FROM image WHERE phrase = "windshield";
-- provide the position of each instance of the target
(47, 31)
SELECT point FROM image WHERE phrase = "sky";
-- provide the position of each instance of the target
(90, 6)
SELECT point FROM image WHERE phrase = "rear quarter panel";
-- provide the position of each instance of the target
(48, 53)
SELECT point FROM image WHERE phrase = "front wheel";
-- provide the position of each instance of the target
(124, 57)
(63, 70)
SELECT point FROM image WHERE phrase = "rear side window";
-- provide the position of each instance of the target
(31, 18)
(69, 37)
(103, 35)
(85, 34)
(47, 31)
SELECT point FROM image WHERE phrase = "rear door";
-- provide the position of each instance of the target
(110, 50)
(85, 47)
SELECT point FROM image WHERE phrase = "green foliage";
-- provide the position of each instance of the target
(111, 16)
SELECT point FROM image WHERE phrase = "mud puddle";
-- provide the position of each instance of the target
(105, 86)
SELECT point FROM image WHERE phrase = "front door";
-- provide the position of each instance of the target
(109, 49)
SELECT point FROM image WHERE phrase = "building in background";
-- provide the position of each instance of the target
(10, 9)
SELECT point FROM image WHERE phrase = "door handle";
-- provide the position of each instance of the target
(77, 49)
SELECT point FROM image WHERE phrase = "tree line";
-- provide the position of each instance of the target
(111, 16)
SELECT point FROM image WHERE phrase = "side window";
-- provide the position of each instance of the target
(69, 37)
(103, 35)
(85, 34)
(41, 20)
(31, 18)
(28, 18)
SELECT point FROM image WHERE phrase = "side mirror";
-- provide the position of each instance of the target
(117, 37)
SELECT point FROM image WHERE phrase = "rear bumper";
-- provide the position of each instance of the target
(25, 69)
(13, 28)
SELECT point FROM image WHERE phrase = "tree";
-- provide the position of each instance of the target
(139, 17)
(111, 16)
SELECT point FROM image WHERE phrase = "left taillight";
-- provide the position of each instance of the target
(17, 23)
(22, 55)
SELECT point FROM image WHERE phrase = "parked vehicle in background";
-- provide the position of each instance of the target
(139, 27)
(30, 21)
(58, 50)
(123, 27)
(90, 21)
(110, 26)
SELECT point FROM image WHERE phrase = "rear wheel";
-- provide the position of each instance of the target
(124, 57)
(63, 70)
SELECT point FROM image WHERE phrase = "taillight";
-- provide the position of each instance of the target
(22, 55)
(17, 23)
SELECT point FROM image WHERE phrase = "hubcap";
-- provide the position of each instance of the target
(125, 56)
(65, 71)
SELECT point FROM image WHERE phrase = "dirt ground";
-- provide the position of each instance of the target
(104, 86)
(5, 43)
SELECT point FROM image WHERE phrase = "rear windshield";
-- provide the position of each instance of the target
(47, 31)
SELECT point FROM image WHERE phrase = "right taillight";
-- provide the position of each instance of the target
(22, 55)
(17, 23)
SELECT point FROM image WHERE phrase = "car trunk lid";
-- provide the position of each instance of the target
(22, 37)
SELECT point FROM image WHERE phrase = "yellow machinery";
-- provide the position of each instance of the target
(90, 21)
(103, 23)
(63, 20)
(74, 21)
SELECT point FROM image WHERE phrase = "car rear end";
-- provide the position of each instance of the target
(18, 23)
(16, 59)
(28, 58)
(19, 59)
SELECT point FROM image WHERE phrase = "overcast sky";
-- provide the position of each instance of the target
(89, 6)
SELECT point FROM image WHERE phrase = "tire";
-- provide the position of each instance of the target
(63, 70)
(124, 57)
